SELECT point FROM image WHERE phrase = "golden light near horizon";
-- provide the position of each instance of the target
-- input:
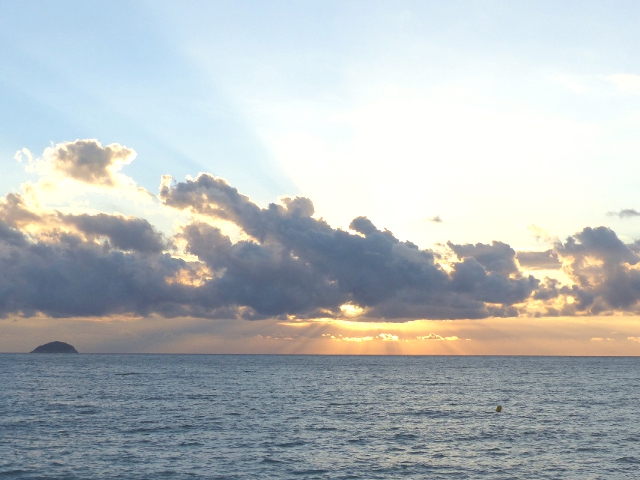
(350, 310)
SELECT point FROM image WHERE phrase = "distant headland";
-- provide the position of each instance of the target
(55, 347)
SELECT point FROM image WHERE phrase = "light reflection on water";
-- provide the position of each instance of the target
(259, 416)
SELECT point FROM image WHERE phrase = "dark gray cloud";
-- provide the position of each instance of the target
(547, 290)
(213, 196)
(599, 243)
(266, 278)
(123, 233)
(69, 276)
(635, 246)
(88, 161)
(300, 265)
(547, 260)
(497, 257)
(625, 213)
(471, 277)
(291, 263)
(601, 265)
(11, 236)
(436, 219)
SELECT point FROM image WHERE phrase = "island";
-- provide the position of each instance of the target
(55, 347)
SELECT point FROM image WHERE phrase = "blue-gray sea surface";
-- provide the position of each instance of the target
(259, 416)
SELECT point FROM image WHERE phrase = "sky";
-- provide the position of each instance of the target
(320, 177)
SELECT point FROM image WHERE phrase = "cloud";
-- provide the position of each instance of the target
(547, 260)
(385, 337)
(86, 161)
(64, 265)
(123, 233)
(286, 264)
(388, 337)
(434, 336)
(604, 271)
(10, 236)
(549, 289)
(213, 196)
(625, 213)
(68, 276)
(353, 339)
(15, 212)
(296, 264)
(497, 257)
(436, 219)
(599, 243)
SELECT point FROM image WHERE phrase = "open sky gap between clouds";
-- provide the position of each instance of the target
(286, 263)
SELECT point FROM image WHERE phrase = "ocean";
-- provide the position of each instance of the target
(318, 417)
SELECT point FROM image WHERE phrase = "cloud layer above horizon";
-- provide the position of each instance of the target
(227, 257)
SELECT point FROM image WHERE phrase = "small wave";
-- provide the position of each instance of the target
(167, 473)
(405, 436)
(309, 472)
(146, 429)
(89, 411)
(128, 373)
(297, 443)
(10, 473)
(357, 441)
(586, 449)
(497, 452)
(424, 413)
(395, 449)
(628, 460)
(270, 460)
(421, 453)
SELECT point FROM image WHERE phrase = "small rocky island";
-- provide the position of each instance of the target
(55, 347)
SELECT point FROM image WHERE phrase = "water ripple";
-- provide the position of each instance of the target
(285, 417)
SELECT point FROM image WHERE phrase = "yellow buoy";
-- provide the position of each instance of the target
(499, 408)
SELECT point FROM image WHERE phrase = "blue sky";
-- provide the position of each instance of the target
(482, 106)
(507, 121)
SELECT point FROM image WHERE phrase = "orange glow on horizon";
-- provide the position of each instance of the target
(606, 335)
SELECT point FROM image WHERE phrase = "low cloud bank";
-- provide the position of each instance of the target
(296, 264)
(287, 262)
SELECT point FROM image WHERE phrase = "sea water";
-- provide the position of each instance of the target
(260, 416)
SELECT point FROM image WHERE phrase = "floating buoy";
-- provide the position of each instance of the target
(499, 408)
